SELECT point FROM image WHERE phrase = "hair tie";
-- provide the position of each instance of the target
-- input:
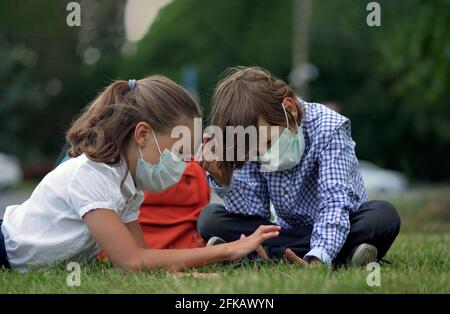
(132, 83)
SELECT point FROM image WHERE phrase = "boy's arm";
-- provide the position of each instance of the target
(247, 193)
(220, 190)
(337, 166)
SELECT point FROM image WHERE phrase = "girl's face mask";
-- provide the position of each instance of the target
(160, 176)
(286, 152)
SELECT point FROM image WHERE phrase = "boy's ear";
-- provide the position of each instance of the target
(290, 105)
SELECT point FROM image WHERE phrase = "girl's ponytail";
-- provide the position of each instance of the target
(91, 132)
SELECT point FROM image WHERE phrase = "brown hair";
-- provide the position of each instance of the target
(104, 127)
(245, 94)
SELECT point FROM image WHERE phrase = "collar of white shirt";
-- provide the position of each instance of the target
(128, 188)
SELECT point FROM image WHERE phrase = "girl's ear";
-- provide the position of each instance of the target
(141, 132)
(291, 106)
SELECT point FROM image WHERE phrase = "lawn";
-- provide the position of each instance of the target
(420, 263)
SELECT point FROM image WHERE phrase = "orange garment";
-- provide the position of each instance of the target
(169, 219)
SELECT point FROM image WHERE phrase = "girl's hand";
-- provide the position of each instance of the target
(207, 162)
(247, 245)
(260, 250)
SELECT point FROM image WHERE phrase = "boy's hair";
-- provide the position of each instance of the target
(104, 127)
(245, 94)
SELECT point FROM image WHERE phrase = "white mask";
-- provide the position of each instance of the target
(160, 176)
(286, 152)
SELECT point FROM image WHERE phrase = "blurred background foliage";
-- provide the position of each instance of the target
(391, 81)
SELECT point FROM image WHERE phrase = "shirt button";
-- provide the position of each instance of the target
(285, 191)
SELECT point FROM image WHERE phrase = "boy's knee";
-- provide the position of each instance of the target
(208, 220)
(389, 216)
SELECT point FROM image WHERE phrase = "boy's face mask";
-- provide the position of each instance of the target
(160, 176)
(286, 152)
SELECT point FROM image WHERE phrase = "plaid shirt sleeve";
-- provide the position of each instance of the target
(247, 193)
(337, 163)
(220, 190)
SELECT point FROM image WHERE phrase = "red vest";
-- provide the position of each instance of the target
(169, 219)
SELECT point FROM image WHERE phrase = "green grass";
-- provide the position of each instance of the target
(420, 264)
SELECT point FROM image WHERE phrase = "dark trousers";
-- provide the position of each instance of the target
(375, 222)
(3, 258)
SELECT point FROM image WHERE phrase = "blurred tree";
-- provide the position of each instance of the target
(414, 70)
(49, 70)
(400, 109)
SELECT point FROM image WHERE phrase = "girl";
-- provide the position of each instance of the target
(120, 145)
(309, 173)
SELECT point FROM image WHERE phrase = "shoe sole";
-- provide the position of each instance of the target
(364, 254)
(215, 241)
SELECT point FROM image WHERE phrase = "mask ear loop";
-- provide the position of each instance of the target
(286, 116)
(156, 141)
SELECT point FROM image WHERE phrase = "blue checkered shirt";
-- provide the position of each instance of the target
(320, 191)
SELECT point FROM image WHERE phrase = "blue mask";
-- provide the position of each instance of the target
(286, 152)
(160, 176)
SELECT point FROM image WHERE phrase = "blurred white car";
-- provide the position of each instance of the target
(10, 172)
(379, 180)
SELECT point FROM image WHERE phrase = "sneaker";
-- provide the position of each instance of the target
(214, 241)
(363, 255)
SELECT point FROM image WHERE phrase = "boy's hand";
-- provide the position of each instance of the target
(215, 170)
(290, 255)
(207, 161)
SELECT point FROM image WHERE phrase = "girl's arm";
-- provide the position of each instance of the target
(117, 242)
(136, 232)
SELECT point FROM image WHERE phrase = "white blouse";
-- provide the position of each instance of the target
(48, 228)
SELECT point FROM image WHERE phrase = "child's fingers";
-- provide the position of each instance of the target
(208, 152)
(206, 137)
(294, 258)
(269, 235)
(202, 156)
(262, 253)
(260, 250)
(199, 153)
(267, 228)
